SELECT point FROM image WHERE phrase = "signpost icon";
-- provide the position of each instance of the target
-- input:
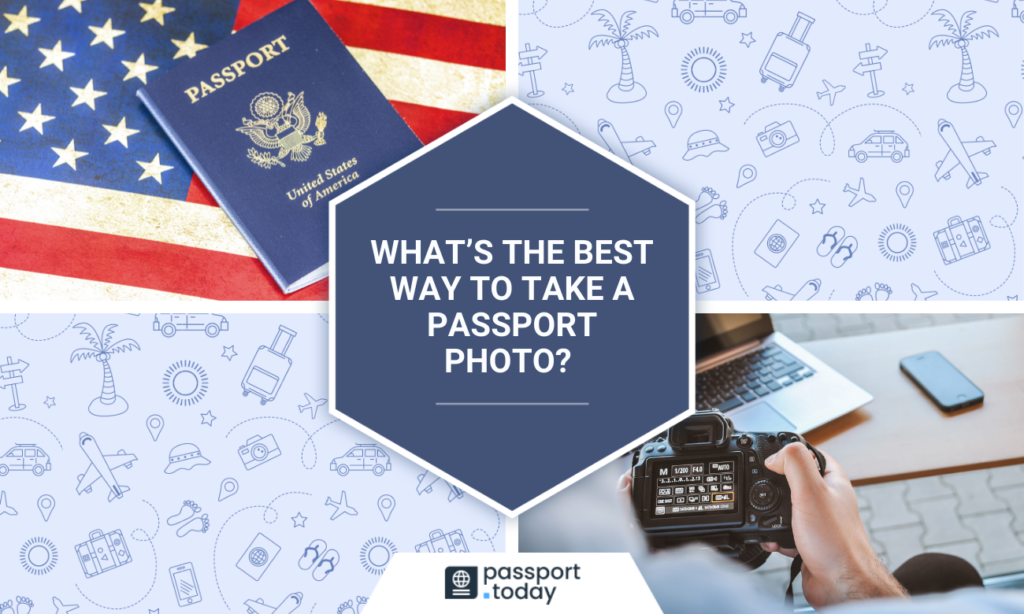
(869, 63)
(529, 62)
(10, 375)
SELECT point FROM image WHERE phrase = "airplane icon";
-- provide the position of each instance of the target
(102, 466)
(960, 153)
(63, 609)
(922, 295)
(830, 91)
(4, 508)
(859, 194)
(805, 293)
(341, 507)
(289, 605)
(426, 485)
(623, 149)
(311, 404)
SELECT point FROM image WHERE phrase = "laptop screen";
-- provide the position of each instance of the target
(717, 332)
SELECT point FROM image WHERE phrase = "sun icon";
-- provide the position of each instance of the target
(185, 382)
(38, 556)
(703, 69)
(897, 242)
(376, 554)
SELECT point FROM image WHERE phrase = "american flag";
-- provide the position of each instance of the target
(96, 203)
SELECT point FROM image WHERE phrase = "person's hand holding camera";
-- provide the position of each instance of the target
(838, 561)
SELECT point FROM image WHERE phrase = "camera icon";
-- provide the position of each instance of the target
(258, 450)
(777, 137)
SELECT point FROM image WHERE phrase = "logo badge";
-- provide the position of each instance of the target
(460, 582)
(279, 125)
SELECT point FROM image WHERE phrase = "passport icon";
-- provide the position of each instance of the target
(777, 243)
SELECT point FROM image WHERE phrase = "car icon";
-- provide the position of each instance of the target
(729, 11)
(363, 457)
(170, 323)
(881, 144)
(25, 457)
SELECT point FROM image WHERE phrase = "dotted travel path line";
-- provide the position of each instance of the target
(488, 537)
(156, 564)
(34, 422)
(567, 118)
(782, 201)
(875, 11)
(302, 457)
(543, 23)
(270, 506)
(18, 328)
(16, 323)
(309, 440)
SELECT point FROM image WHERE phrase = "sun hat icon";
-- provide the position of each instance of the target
(703, 143)
(184, 456)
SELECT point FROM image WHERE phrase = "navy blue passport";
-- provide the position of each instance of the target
(276, 120)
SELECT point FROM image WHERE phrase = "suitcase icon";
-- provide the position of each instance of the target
(444, 542)
(269, 367)
(102, 552)
(961, 239)
(787, 54)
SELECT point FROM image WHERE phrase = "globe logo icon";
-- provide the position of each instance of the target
(258, 557)
(776, 243)
(460, 578)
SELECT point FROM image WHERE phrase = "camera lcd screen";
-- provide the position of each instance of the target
(696, 488)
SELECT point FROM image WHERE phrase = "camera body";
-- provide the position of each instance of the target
(705, 483)
(777, 137)
(258, 450)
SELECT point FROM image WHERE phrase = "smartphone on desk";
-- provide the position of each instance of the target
(944, 384)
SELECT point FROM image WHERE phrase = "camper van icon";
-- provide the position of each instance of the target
(269, 367)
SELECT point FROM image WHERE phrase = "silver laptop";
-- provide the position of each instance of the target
(764, 381)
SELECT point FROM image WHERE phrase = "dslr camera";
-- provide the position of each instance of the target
(706, 483)
(258, 450)
(777, 137)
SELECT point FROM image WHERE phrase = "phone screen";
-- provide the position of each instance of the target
(185, 586)
(945, 384)
(707, 277)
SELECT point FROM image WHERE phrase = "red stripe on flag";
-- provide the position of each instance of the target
(429, 124)
(141, 263)
(397, 31)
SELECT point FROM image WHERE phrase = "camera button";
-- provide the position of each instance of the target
(754, 471)
(745, 441)
(771, 521)
(753, 519)
(662, 448)
(649, 449)
(764, 495)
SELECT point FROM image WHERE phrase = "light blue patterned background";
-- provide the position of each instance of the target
(712, 70)
(287, 499)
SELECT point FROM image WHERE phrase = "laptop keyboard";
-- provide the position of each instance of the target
(748, 378)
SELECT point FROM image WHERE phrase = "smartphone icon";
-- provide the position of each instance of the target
(707, 275)
(186, 588)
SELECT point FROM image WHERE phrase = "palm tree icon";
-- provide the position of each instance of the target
(108, 403)
(967, 90)
(626, 90)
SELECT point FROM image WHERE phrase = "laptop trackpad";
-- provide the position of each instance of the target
(760, 418)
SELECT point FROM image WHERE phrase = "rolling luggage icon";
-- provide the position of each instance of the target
(269, 367)
(787, 54)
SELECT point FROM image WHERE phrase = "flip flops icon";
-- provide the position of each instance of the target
(317, 557)
(840, 246)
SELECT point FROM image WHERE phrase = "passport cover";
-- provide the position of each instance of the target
(276, 120)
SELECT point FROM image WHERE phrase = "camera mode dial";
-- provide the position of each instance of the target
(764, 495)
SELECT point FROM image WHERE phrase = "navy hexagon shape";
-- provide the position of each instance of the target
(512, 306)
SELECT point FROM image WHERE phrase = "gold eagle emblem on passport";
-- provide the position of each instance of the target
(279, 125)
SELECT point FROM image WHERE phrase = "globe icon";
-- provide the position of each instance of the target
(776, 243)
(258, 557)
(460, 578)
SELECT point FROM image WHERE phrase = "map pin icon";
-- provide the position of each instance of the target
(386, 505)
(46, 505)
(747, 174)
(905, 190)
(673, 110)
(228, 488)
(1013, 110)
(155, 424)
